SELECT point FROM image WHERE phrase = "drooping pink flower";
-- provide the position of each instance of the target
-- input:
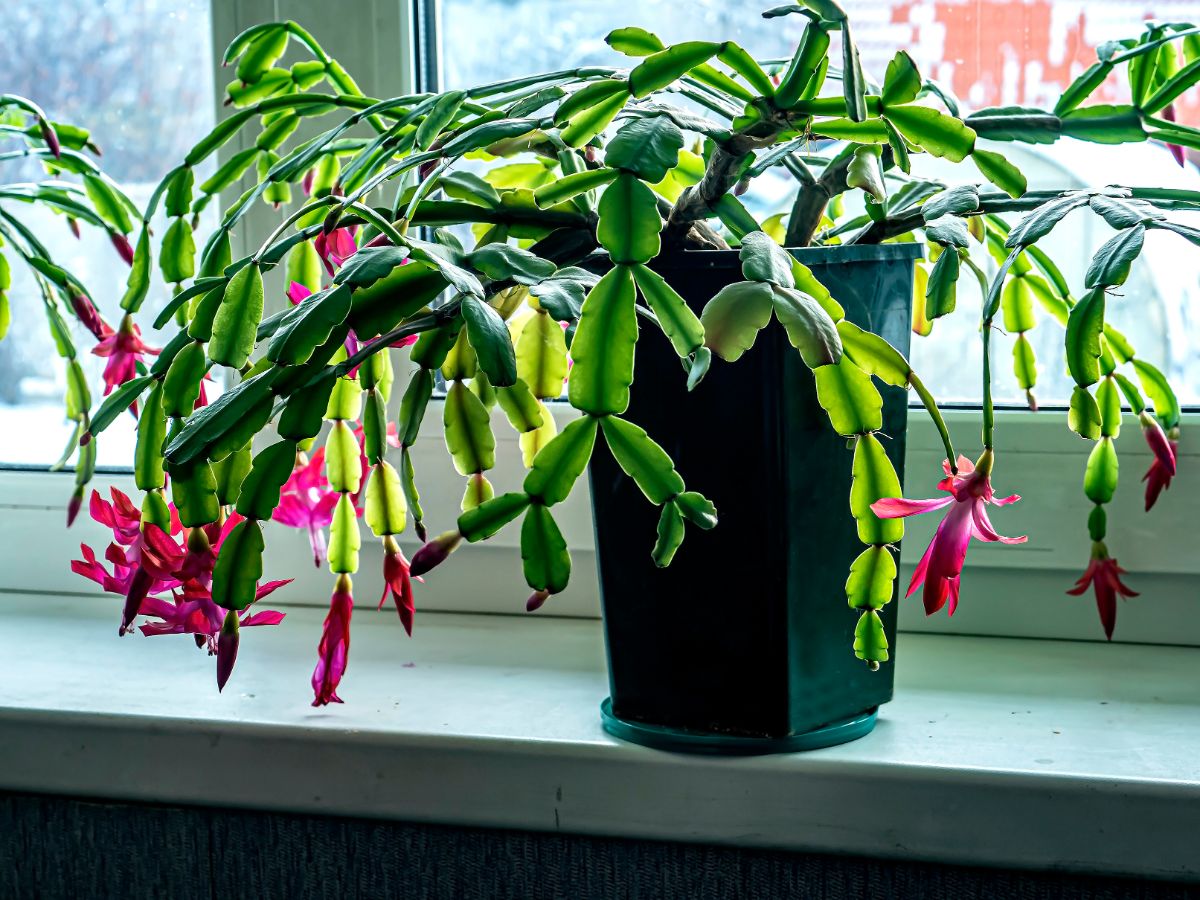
(148, 563)
(397, 580)
(1103, 575)
(307, 501)
(970, 491)
(124, 248)
(1158, 477)
(124, 350)
(334, 648)
(1165, 449)
(336, 247)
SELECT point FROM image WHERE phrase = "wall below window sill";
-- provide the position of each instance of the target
(996, 752)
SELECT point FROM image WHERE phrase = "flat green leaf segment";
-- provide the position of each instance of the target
(603, 347)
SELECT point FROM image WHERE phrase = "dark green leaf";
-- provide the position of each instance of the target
(629, 221)
(764, 260)
(490, 516)
(1000, 172)
(642, 459)
(239, 566)
(504, 262)
(559, 464)
(670, 535)
(649, 148)
(681, 326)
(259, 494)
(370, 264)
(117, 402)
(663, 67)
(544, 553)
(733, 318)
(491, 341)
(809, 327)
(1084, 327)
(1110, 266)
(850, 399)
(308, 325)
(1083, 416)
(603, 346)
(236, 323)
(561, 295)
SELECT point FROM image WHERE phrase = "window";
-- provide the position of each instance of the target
(137, 73)
(988, 53)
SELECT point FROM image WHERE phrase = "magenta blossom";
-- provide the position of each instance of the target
(307, 501)
(124, 350)
(1166, 453)
(334, 648)
(148, 562)
(336, 247)
(970, 491)
(396, 579)
(297, 292)
(1103, 575)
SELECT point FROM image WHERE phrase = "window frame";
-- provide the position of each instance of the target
(1037, 454)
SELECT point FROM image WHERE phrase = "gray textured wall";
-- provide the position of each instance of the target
(84, 850)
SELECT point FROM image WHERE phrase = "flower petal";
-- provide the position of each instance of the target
(898, 507)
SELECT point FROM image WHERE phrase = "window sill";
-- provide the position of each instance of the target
(996, 752)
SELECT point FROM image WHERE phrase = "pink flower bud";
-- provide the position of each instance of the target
(50, 137)
(124, 248)
(1156, 438)
(73, 224)
(535, 601)
(227, 648)
(434, 553)
(307, 183)
(74, 504)
(86, 312)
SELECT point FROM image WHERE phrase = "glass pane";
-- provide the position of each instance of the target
(988, 52)
(137, 74)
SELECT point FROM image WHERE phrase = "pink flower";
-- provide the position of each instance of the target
(297, 292)
(396, 579)
(970, 492)
(124, 248)
(1104, 576)
(1165, 449)
(147, 562)
(334, 648)
(124, 350)
(306, 501)
(336, 247)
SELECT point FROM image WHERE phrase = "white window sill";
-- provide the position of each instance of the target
(996, 752)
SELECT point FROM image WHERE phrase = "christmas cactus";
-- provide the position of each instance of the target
(545, 289)
(76, 189)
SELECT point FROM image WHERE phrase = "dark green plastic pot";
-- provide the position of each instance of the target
(744, 643)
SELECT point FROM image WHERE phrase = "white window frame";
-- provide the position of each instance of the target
(1007, 590)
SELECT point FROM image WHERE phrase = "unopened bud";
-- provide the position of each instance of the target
(535, 601)
(50, 137)
(73, 224)
(74, 504)
(434, 553)
(124, 248)
(1156, 439)
(227, 648)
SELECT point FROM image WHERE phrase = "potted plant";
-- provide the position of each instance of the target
(622, 229)
(94, 200)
